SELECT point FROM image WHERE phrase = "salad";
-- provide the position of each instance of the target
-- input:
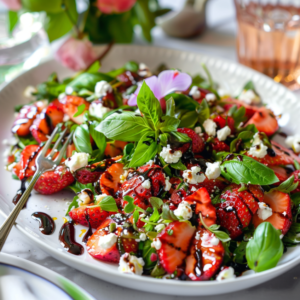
(172, 178)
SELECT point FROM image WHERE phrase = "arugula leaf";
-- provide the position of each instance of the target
(81, 139)
(265, 249)
(125, 127)
(170, 107)
(247, 171)
(80, 110)
(156, 202)
(145, 150)
(108, 203)
(149, 106)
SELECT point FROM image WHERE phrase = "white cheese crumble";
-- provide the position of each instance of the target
(29, 91)
(102, 88)
(213, 170)
(210, 97)
(210, 127)
(168, 184)
(98, 110)
(150, 162)
(146, 184)
(159, 227)
(293, 141)
(198, 130)
(183, 211)
(191, 176)
(209, 240)
(98, 198)
(131, 264)
(225, 274)
(195, 93)
(143, 237)
(197, 236)
(264, 211)
(107, 241)
(156, 243)
(223, 133)
(77, 161)
(258, 149)
(249, 97)
(207, 267)
(170, 156)
(193, 189)
(83, 198)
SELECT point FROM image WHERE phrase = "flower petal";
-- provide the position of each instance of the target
(171, 81)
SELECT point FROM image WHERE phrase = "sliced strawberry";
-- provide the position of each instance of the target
(24, 120)
(54, 181)
(70, 107)
(265, 121)
(197, 141)
(83, 213)
(212, 185)
(17, 169)
(203, 205)
(129, 244)
(282, 173)
(110, 181)
(174, 247)
(177, 196)
(95, 250)
(40, 128)
(114, 148)
(281, 211)
(88, 174)
(250, 110)
(27, 160)
(128, 79)
(206, 256)
(217, 145)
(70, 149)
(55, 114)
(223, 121)
(297, 179)
(139, 223)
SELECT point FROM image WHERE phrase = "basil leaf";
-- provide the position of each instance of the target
(168, 124)
(292, 237)
(168, 214)
(98, 137)
(181, 137)
(203, 111)
(247, 170)
(80, 110)
(189, 119)
(297, 165)
(163, 138)
(129, 207)
(170, 107)
(249, 86)
(149, 105)
(132, 66)
(145, 150)
(73, 204)
(287, 186)
(178, 166)
(156, 202)
(240, 253)
(125, 127)
(136, 216)
(147, 252)
(108, 203)
(81, 139)
(94, 68)
(183, 102)
(265, 249)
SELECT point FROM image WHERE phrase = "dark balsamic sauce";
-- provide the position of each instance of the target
(67, 239)
(20, 192)
(46, 223)
(230, 209)
(89, 233)
(271, 152)
(198, 267)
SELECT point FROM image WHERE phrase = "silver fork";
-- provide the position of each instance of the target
(43, 163)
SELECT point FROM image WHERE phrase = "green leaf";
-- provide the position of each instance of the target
(247, 171)
(53, 6)
(80, 110)
(158, 271)
(136, 216)
(181, 137)
(73, 204)
(178, 166)
(203, 111)
(168, 124)
(156, 202)
(211, 83)
(149, 105)
(145, 150)
(164, 139)
(188, 119)
(13, 19)
(94, 68)
(132, 66)
(296, 198)
(108, 203)
(170, 107)
(249, 86)
(125, 127)
(240, 253)
(287, 186)
(81, 139)
(183, 102)
(297, 165)
(129, 207)
(168, 214)
(292, 237)
(147, 252)
(265, 249)
(98, 137)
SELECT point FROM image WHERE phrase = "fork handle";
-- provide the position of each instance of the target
(10, 221)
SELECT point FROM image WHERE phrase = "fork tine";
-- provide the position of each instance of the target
(50, 155)
(63, 149)
(47, 145)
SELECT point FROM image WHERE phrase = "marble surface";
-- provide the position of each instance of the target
(219, 40)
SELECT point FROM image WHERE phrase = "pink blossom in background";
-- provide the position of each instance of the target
(166, 83)
(76, 54)
(12, 4)
(114, 6)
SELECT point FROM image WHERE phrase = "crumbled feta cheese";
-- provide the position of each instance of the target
(29, 91)
(223, 133)
(197, 236)
(146, 184)
(264, 211)
(144, 70)
(213, 170)
(207, 267)
(191, 176)
(156, 243)
(210, 127)
(84, 198)
(225, 274)
(193, 189)
(98, 198)
(210, 97)
(222, 92)
(249, 97)
(150, 162)
(183, 211)
(107, 241)
(170, 156)
(102, 88)
(209, 240)
(293, 141)
(198, 130)
(77, 161)
(258, 149)
(131, 264)
(98, 110)
(195, 93)
(66, 118)
(61, 96)
(168, 184)
(159, 227)
(69, 90)
(143, 237)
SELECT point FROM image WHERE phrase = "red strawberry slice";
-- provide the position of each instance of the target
(130, 245)
(212, 185)
(197, 141)
(265, 121)
(281, 173)
(24, 120)
(114, 148)
(297, 179)
(88, 174)
(216, 144)
(281, 211)
(203, 205)
(70, 149)
(250, 110)
(40, 128)
(95, 215)
(223, 121)
(110, 181)
(94, 248)
(206, 256)
(54, 181)
(27, 160)
(174, 246)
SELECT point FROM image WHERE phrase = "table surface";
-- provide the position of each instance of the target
(219, 40)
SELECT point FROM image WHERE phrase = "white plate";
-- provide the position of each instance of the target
(230, 75)
(23, 279)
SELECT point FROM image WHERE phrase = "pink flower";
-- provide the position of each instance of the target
(166, 83)
(13, 4)
(76, 54)
(115, 6)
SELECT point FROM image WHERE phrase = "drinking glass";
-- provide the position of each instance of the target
(268, 38)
